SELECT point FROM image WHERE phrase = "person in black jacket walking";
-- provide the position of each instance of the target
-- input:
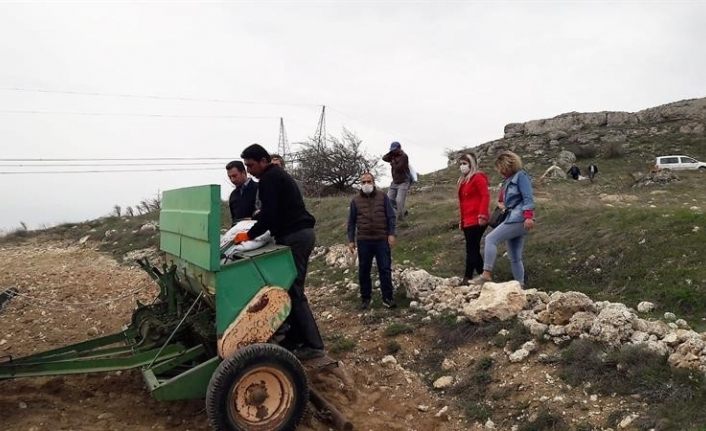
(242, 200)
(283, 213)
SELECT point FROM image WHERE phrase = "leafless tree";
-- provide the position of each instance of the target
(335, 165)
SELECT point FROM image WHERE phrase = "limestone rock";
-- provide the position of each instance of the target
(448, 364)
(687, 354)
(518, 355)
(443, 382)
(148, 228)
(563, 305)
(338, 256)
(496, 301)
(514, 129)
(580, 323)
(613, 325)
(565, 159)
(645, 307)
(389, 360)
(416, 281)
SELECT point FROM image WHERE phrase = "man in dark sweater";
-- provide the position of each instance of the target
(372, 216)
(242, 200)
(283, 213)
(401, 178)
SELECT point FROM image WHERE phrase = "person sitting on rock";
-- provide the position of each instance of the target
(371, 229)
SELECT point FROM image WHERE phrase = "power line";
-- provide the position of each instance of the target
(130, 114)
(153, 97)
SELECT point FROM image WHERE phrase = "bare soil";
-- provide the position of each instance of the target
(70, 293)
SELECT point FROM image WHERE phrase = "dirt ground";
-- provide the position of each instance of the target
(70, 293)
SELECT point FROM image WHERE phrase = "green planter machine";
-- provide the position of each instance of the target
(208, 333)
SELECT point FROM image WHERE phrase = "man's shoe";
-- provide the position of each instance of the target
(307, 353)
(365, 304)
(388, 303)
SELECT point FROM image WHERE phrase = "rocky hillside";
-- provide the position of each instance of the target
(678, 127)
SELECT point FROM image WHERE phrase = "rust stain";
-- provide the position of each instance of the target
(260, 304)
(253, 325)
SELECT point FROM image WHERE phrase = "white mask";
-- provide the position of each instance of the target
(465, 169)
(367, 188)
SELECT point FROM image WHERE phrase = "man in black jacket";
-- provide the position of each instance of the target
(242, 200)
(283, 213)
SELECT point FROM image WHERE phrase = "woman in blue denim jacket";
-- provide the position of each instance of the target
(515, 197)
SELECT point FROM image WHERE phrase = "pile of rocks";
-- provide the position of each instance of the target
(558, 317)
(337, 256)
(661, 177)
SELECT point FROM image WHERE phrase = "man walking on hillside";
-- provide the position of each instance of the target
(592, 171)
(574, 171)
(401, 178)
(283, 213)
(242, 199)
(371, 226)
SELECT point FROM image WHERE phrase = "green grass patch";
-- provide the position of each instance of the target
(339, 343)
(392, 347)
(677, 395)
(397, 328)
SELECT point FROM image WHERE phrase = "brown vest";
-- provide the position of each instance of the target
(371, 222)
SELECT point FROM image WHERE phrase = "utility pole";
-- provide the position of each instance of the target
(283, 146)
(320, 134)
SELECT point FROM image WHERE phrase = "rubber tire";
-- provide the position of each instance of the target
(702, 169)
(231, 369)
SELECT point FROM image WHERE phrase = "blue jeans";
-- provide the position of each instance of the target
(514, 234)
(380, 249)
(398, 195)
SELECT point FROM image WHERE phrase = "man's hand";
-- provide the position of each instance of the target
(351, 247)
(529, 224)
(482, 221)
(241, 236)
(391, 240)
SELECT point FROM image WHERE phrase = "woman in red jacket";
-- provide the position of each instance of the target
(473, 198)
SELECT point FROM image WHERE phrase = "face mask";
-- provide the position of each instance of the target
(367, 188)
(465, 169)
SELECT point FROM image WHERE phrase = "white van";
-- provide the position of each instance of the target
(680, 163)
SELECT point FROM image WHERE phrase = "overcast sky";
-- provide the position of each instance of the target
(432, 75)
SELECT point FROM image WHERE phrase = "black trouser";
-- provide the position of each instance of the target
(301, 320)
(380, 250)
(474, 260)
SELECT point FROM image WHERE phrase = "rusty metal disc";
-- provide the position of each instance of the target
(262, 399)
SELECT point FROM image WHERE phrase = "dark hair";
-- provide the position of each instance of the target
(256, 152)
(237, 164)
(278, 157)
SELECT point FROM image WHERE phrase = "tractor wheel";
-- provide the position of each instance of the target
(262, 387)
